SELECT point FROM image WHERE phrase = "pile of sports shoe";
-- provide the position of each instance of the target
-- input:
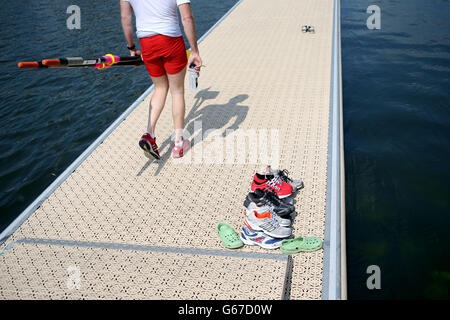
(269, 209)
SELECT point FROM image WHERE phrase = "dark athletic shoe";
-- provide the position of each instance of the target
(288, 200)
(270, 200)
(148, 144)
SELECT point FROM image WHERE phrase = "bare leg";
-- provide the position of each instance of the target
(176, 85)
(157, 101)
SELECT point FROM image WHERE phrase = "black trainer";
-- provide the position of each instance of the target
(288, 200)
(261, 198)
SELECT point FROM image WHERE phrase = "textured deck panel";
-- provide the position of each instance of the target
(262, 74)
(60, 272)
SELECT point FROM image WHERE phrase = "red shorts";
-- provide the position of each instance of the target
(163, 54)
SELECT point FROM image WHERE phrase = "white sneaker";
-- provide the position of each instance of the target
(261, 210)
(251, 237)
(266, 222)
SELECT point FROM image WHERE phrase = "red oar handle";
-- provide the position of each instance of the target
(51, 62)
(24, 64)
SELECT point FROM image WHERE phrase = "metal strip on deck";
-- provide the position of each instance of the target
(334, 283)
(266, 86)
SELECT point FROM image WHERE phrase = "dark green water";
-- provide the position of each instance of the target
(396, 119)
(396, 90)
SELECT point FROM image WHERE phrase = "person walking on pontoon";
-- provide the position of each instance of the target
(164, 56)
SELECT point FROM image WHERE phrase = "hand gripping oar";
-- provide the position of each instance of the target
(106, 61)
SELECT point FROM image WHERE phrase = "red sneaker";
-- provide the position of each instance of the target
(148, 144)
(271, 183)
(178, 152)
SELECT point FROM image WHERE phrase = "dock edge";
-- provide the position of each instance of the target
(334, 284)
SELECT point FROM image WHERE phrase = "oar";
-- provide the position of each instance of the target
(106, 61)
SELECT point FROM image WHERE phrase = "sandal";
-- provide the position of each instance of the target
(229, 237)
(301, 244)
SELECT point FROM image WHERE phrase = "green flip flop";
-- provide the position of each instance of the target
(229, 237)
(301, 244)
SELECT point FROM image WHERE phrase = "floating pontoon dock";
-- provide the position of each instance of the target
(116, 225)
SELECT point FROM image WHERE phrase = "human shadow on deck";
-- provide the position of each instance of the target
(212, 117)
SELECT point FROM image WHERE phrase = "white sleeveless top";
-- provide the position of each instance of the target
(157, 17)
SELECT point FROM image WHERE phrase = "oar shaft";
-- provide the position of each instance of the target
(88, 62)
(79, 62)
